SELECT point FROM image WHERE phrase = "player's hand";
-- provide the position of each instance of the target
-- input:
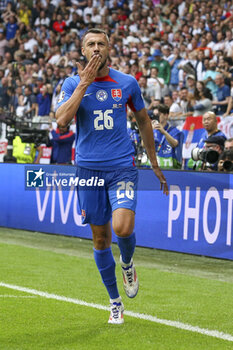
(88, 74)
(162, 179)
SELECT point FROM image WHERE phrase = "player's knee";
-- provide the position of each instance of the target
(123, 229)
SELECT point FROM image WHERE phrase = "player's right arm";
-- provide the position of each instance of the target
(69, 108)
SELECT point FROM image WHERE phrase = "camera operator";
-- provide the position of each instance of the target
(225, 161)
(210, 124)
(26, 153)
(209, 155)
(229, 144)
(168, 140)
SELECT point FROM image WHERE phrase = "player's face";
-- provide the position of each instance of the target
(96, 44)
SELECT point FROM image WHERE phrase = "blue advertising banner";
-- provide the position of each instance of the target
(195, 218)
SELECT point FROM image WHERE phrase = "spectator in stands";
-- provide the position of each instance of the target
(226, 69)
(4, 93)
(202, 101)
(200, 67)
(3, 42)
(174, 60)
(59, 24)
(24, 13)
(228, 42)
(43, 102)
(55, 55)
(61, 141)
(21, 107)
(228, 144)
(157, 83)
(42, 19)
(168, 141)
(11, 27)
(148, 92)
(135, 71)
(209, 78)
(163, 68)
(30, 41)
(191, 83)
(30, 102)
(184, 102)
(137, 30)
(223, 96)
(174, 107)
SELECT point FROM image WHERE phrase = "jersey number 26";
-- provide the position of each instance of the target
(103, 119)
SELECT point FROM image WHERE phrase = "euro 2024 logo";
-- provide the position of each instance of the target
(35, 178)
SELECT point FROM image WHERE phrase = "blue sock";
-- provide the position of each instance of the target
(127, 246)
(106, 266)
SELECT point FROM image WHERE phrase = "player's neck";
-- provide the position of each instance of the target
(103, 72)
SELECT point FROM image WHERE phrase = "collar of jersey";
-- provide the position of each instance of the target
(106, 78)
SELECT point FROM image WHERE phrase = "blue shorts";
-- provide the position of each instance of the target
(102, 192)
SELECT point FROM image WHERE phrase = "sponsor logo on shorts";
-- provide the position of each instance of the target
(83, 213)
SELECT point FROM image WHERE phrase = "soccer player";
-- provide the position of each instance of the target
(98, 96)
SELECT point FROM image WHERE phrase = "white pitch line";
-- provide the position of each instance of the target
(176, 324)
(17, 296)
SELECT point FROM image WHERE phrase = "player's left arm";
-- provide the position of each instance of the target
(146, 132)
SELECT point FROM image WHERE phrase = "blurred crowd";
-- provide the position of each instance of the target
(180, 52)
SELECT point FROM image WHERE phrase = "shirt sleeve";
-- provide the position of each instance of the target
(135, 100)
(67, 90)
(226, 92)
(175, 133)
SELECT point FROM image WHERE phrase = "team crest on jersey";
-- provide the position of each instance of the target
(116, 94)
(61, 96)
(101, 95)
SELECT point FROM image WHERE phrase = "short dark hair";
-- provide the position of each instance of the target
(163, 109)
(94, 31)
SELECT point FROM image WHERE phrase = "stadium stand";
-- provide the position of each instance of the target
(190, 44)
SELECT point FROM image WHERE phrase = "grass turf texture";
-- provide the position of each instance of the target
(178, 287)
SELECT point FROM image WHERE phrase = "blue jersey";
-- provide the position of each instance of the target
(102, 138)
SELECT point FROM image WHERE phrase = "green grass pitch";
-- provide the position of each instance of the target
(192, 290)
